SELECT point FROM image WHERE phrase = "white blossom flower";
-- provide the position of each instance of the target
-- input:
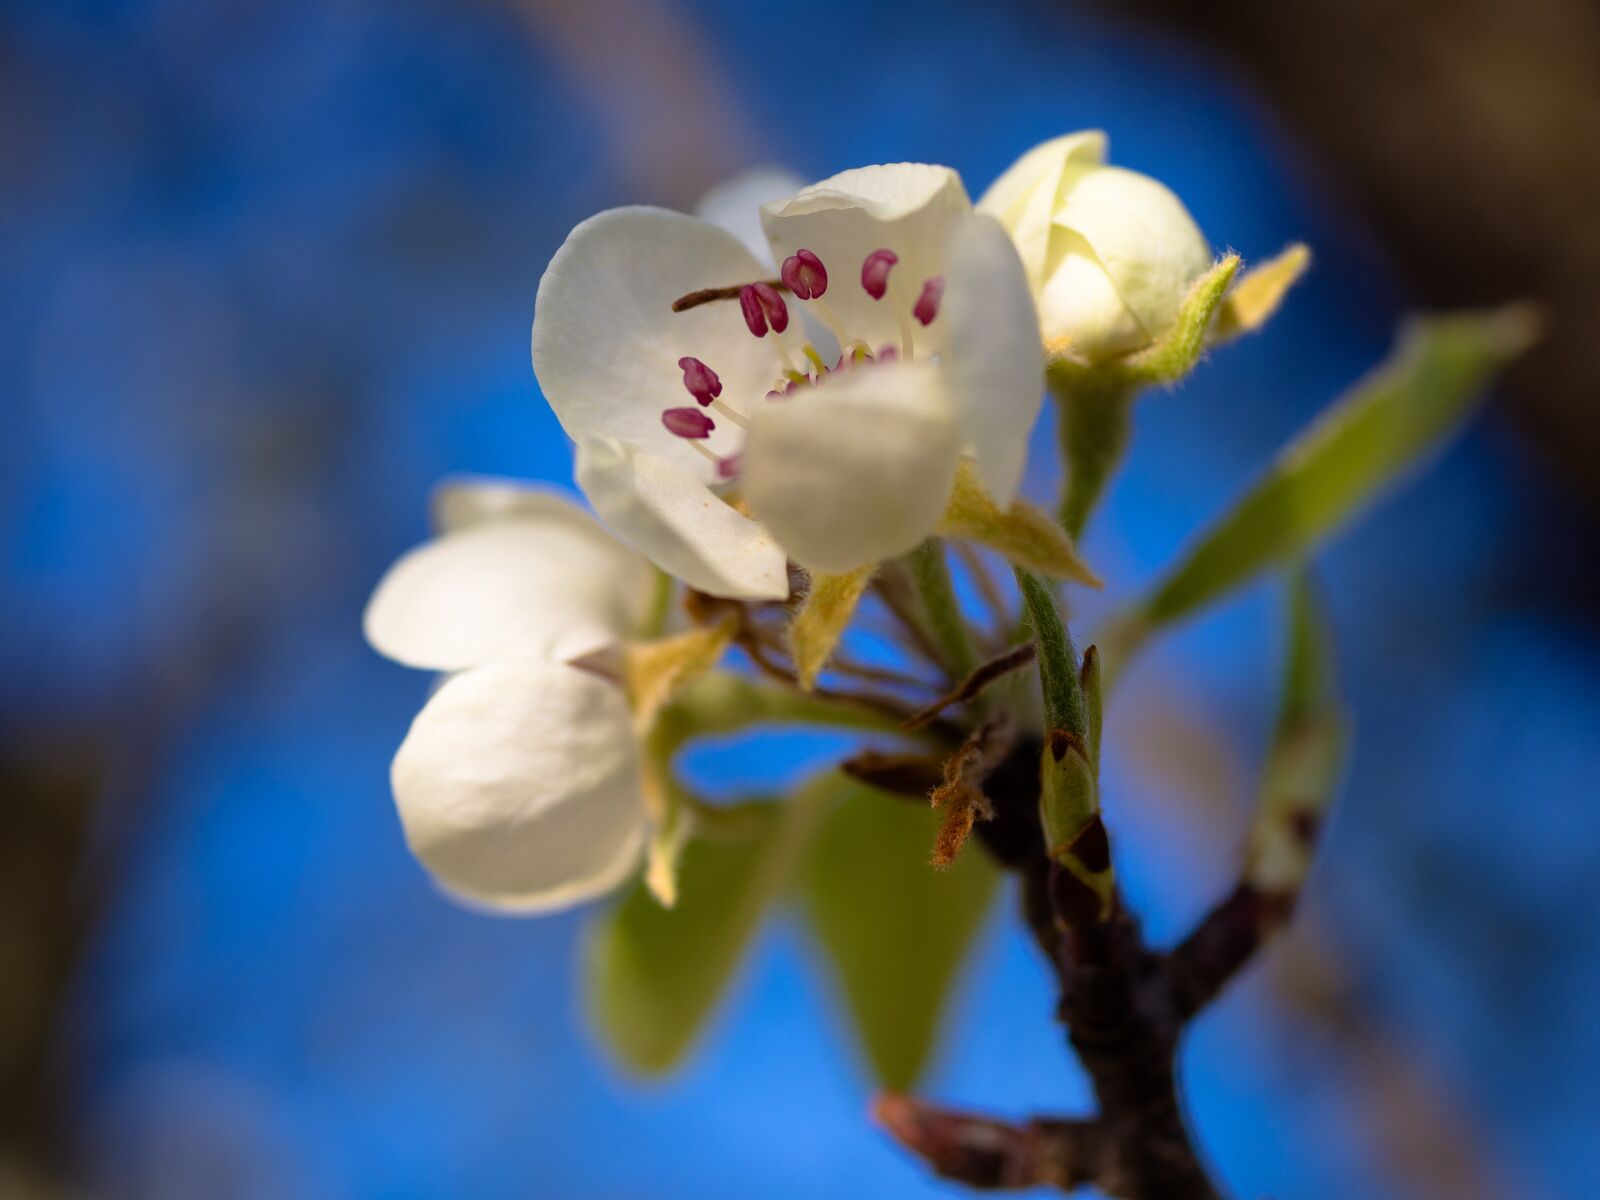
(1110, 253)
(719, 442)
(519, 783)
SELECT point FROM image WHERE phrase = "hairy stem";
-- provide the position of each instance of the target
(1095, 416)
(931, 575)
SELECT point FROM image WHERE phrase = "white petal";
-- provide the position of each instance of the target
(1143, 236)
(518, 786)
(857, 469)
(1080, 308)
(995, 365)
(464, 500)
(679, 523)
(606, 342)
(909, 208)
(735, 204)
(1024, 198)
(548, 584)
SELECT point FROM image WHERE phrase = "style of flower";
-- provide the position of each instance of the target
(519, 784)
(721, 442)
(1110, 253)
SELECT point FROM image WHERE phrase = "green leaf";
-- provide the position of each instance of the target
(654, 975)
(894, 930)
(1307, 756)
(1430, 386)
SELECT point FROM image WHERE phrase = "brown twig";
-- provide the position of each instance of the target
(992, 1155)
(981, 677)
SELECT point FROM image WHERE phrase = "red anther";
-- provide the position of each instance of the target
(875, 272)
(804, 275)
(728, 468)
(688, 423)
(701, 381)
(763, 308)
(927, 305)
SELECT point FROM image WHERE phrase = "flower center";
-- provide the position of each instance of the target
(805, 277)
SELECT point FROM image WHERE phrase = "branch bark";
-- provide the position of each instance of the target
(1118, 1008)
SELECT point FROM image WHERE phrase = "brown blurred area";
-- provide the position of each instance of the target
(1465, 134)
(45, 827)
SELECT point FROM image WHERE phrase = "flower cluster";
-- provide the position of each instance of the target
(767, 401)
(810, 399)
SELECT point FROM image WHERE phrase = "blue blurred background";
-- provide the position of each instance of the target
(269, 273)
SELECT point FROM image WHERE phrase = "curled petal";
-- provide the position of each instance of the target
(1024, 199)
(519, 787)
(1139, 233)
(544, 580)
(907, 208)
(857, 469)
(679, 523)
(995, 363)
(606, 343)
(464, 500)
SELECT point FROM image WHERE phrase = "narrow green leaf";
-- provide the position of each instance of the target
(1064, 706)
(1308, 750)
(1430, 386)
(1308, 678)
(654, 975)
(894, 930)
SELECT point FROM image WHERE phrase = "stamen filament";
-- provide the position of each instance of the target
(831, 319)
(732, 414)
(902, 317)
(811, 353)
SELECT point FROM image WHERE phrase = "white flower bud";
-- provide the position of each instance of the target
(1110, 253)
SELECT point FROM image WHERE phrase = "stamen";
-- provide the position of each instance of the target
(875, 272)
(729, 468)
(811, 353)
(689, 423)
(701, 381)
(927, 305)
(763, 308)
(804, 275)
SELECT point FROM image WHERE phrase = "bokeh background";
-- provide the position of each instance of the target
(269, 269)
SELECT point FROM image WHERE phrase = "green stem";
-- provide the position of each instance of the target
(655, 622)
(931, 574)
(723, 703)
(1095, 415)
